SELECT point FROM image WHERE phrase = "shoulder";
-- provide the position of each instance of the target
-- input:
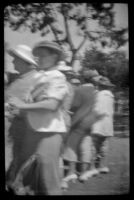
(55, 74)
(88, 85)
(85, 92)
(87, 89)
(107, 93)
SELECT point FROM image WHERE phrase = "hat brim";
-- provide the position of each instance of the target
(96, 78)
(60, 53)
(13, 52)
(66, 68)
(107, 84)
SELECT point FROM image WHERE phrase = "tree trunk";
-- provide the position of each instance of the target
(73, 60)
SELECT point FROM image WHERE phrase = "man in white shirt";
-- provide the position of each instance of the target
(45, 118)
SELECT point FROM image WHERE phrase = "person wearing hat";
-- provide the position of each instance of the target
(45, 117)
(20, 88)
(102, 130)
(82, 119)
(25, 66)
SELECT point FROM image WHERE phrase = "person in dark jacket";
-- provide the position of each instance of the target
(82, 119)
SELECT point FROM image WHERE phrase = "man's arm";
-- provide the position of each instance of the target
(49, 104)
(90, 119)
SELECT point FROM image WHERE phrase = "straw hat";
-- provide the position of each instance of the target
(91, 73)
(63, 67)
(24, 52)
(96, 79)
(49, 45)
(104, 81)
(75, 81)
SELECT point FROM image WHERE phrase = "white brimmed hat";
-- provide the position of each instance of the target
(96, 79)
(63, 67)
(104, 81)
(88, 84)
(91, 73)
(24, 52)
(75, 81)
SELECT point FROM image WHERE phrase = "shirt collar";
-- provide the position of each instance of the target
(28, 74)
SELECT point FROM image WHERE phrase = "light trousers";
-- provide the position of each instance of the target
(44, 176)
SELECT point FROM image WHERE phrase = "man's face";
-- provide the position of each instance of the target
(20, 65)
(46, 58)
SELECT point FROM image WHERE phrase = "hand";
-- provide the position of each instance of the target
(16, 102)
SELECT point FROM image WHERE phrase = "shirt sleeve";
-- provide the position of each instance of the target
(52, 85)
(58, 88)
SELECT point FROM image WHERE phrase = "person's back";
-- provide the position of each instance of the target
(82, 120)
(82, 104)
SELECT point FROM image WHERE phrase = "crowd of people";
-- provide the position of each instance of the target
(56, 122)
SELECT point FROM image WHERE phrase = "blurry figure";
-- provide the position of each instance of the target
(82, 118)
(68, 72)
(101, 130)
(45, 116)
(26, 66)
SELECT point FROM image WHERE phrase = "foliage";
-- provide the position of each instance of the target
(44, 17)
(113, 65)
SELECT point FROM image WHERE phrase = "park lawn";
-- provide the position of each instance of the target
(114, 183)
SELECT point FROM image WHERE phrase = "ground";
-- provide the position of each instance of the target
(114, 183)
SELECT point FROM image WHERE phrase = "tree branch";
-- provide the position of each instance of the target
(68, 33)
(56, 36)
(52, 29)
(82, 43)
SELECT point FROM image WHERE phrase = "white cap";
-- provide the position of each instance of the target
(75, 81)
(63, 67)
(88, 84)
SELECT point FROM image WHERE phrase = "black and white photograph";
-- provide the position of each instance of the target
(66, 99)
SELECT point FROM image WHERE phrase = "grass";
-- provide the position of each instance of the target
(114, 183)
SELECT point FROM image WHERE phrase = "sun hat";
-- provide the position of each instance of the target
(75, 81)
(104, 81)
(96, 79)
(91, 73)
(88, 84)
(63, 67)
(24, 52)
(49, 45)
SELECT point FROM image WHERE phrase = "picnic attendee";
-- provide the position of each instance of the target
(102, 130)
(82, 119)
(25, 66)
(45, 117)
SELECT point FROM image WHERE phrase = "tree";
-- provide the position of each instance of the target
(113, 65)
(43, 17)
